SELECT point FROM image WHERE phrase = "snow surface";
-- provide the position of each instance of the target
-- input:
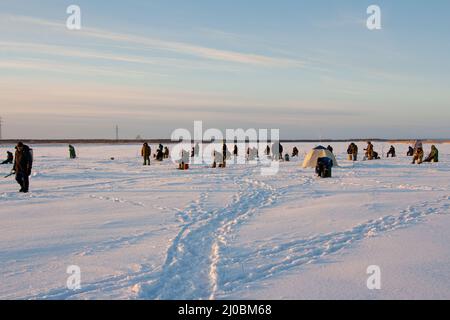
(159, 233)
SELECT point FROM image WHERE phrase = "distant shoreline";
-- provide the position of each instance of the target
(168, 141)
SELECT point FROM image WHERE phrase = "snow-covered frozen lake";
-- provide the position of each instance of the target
(159, 233)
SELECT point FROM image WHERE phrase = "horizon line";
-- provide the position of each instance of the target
(166, 140)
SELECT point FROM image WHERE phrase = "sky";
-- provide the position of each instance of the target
(311, 69)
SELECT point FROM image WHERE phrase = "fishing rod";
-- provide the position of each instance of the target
(9, 175)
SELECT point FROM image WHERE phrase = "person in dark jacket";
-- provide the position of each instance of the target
(391, 152)
(23, 162)
(410, 152)
(224, 153)
(166, 153)
(295, 152)
(9, 158)
(277, 151)
(433, 156)
(235, 151)
(330, 148)
(159, 155)
(72, 153)
(267, 151)
(145, 153)
(355, 152)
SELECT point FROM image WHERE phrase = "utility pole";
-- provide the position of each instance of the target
(117, 132)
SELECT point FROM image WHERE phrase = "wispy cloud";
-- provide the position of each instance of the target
(70, 68)
(181, 48)
(133, 63)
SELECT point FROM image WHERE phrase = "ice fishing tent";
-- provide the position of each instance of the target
(316, 153)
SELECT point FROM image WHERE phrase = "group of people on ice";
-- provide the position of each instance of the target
(22, 161)
(161, 153)
(276, 153)
(418, 153)
(219, 158)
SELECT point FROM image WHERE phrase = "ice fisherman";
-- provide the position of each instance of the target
(391, 152)
(410, 152)
(277, 151)
(159, 154)
(352, 151)
(369, 151)
(433, 156)
(224, 153)
(72, 153)
(418, 152)
(9, 158)
(23, 162)
(145, 153)
(166, 153)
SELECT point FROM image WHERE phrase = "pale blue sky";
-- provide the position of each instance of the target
(310, 68)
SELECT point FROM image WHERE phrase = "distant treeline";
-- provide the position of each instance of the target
(168, 141)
